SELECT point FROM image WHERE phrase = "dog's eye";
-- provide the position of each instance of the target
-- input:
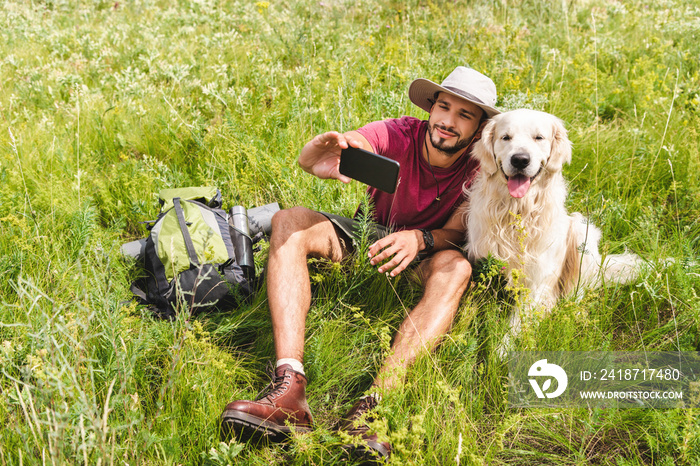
(539, 137)
(505, 137)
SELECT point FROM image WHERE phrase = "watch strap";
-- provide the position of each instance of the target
(428, 239)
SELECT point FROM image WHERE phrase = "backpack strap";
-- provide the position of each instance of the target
(222, 221)
(185, 232)
(137, 291)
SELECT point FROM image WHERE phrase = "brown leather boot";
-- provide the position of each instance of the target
(281, 409)
(355, 422)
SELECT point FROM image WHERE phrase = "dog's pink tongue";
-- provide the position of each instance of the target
(518, 185)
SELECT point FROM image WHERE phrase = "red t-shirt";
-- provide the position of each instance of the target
(413, 205)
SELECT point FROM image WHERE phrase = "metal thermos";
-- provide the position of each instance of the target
(242, 242)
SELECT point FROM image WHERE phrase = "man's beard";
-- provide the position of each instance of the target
(442, 145)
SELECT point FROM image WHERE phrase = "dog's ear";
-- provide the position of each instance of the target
(483, 149)
(561, 147)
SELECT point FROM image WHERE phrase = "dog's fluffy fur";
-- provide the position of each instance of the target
(516, 212)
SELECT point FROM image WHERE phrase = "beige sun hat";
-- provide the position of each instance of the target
(463, 82)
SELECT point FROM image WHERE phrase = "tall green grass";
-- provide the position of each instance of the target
(104, 103)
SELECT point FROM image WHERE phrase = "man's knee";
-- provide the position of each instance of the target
(289, 221)
(305, 230)
(283, 219)
(451, 266)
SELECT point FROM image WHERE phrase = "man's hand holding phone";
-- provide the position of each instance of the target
(321, 155)
(346, 156)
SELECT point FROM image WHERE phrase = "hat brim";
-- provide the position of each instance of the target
(422, 92)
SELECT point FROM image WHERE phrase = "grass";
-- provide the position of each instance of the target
(104, 103)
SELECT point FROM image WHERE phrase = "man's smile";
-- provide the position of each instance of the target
(444, 133)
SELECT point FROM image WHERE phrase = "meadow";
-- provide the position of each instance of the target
(105, 103)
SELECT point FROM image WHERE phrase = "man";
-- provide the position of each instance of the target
(435, 164)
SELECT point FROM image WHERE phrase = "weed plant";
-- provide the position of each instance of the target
(104, 103)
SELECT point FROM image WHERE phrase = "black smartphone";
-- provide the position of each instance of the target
(375, 170)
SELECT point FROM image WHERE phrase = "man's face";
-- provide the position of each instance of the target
(452, 123)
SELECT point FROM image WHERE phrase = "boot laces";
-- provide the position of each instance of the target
(362, 415)
(276, 387)
(367, 404)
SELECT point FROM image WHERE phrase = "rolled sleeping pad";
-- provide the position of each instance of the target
(260, 218)
(135, 249)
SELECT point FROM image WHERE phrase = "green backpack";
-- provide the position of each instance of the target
(189, 256)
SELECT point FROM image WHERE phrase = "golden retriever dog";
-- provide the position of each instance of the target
(517, 214)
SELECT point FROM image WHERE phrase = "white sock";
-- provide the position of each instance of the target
(295, 363)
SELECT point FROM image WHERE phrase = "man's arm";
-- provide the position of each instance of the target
(321, 155)
(451, 235)
(403, 246)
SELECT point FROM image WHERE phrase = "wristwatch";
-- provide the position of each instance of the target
(428, 239)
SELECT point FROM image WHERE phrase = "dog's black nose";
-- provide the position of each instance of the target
(520, 161)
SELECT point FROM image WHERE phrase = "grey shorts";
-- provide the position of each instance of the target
(349, 233)
(350, 230)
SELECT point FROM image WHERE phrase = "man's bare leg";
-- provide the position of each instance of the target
(446, 276)
(297, 233)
